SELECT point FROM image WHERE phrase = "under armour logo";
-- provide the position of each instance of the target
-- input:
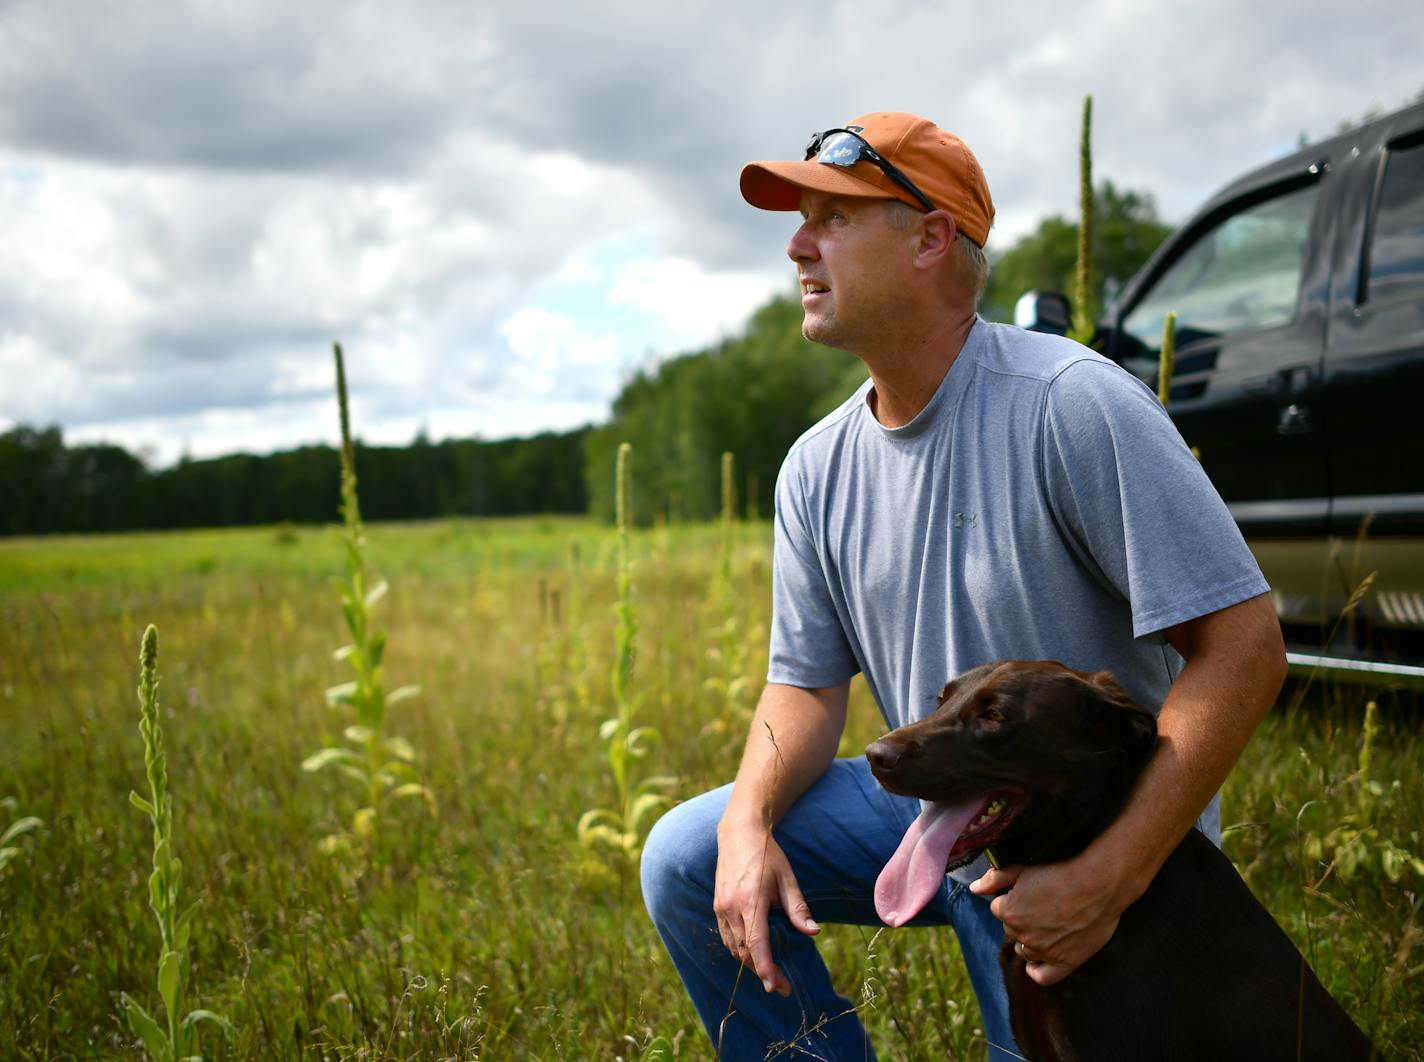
(966, 519)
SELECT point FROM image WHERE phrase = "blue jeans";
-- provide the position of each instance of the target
(837, 837)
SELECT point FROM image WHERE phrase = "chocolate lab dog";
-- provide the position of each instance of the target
(1032, 761)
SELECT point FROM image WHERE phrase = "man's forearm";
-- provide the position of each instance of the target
(792, 740)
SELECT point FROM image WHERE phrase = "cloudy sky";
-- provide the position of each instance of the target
(504, 209)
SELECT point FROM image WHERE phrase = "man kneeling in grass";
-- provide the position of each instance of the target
(988, 493)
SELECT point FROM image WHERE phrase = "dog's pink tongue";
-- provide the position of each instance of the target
(915, 871)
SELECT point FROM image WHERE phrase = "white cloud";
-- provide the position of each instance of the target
(551, 353)
(690, 302)
(502, 206)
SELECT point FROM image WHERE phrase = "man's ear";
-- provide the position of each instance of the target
(937, 231)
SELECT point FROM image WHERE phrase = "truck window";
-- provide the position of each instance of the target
(1397, 246)
(1239, 275)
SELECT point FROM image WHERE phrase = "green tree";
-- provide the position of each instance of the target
(46, 486)
(753, 396)
(1128, 231)
(31, 469)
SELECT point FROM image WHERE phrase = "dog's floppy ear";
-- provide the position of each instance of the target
(970, 677)
(1123, 722)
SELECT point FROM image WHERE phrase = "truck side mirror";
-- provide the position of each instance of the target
(1043, 311)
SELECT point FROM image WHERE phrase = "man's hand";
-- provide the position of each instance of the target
(792, 741)
(752, 875)
(1059, 914)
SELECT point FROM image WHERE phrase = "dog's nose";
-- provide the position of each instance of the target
(882, 754)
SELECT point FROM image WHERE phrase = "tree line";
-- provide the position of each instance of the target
(46, 486)
(753, 395)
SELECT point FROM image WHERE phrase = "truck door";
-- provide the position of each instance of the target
(1250, 302)
(1375, 365)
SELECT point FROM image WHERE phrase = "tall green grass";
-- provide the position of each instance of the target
(484, 936)
(10, 838)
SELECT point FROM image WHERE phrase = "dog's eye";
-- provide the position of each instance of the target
(992, 714)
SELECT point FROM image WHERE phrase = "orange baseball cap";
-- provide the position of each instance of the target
(938, 163)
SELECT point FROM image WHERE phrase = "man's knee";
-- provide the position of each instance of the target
(679, 861)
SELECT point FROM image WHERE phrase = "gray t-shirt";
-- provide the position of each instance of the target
(1042, 506)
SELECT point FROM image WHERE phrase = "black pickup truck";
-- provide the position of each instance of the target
(1299, 294)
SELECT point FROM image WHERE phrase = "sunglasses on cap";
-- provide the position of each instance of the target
(841, 147)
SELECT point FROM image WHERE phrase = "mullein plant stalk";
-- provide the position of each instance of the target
(731, 644)
(622, 828)
(1167, 361)
(626, 629)
(179, 1040)
(729, 516)
(1167, 365)
(381, 764)
(1085, 300)
(726, 685)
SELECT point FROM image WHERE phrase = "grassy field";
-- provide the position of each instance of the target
(489, 931)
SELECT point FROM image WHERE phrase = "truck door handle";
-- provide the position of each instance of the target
(1294, 420)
